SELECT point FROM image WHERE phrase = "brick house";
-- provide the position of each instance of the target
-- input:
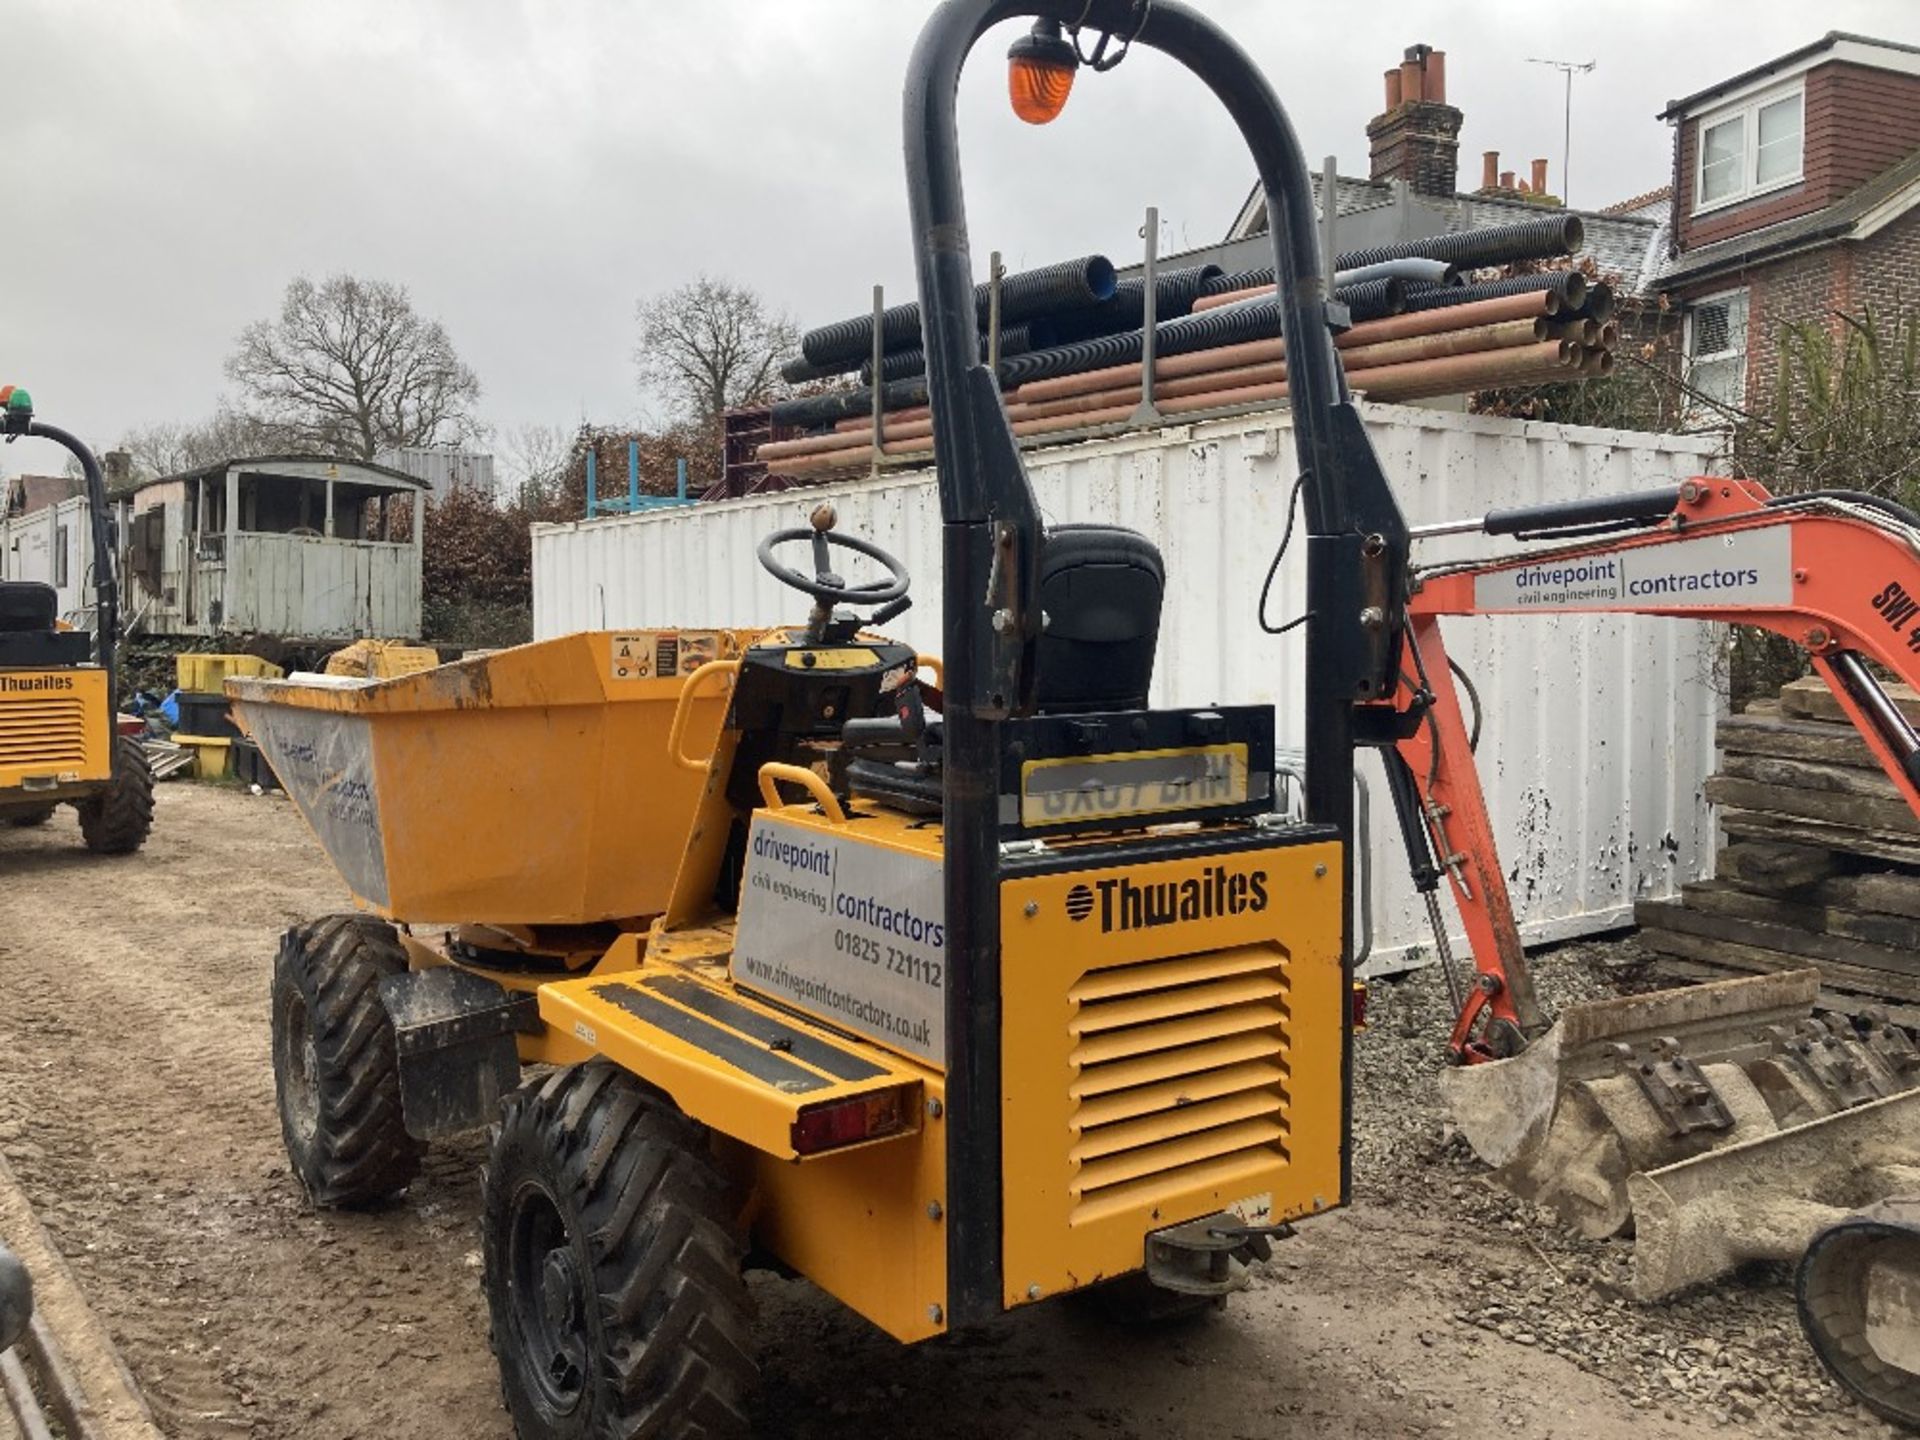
(1412, 188)
(1796, 197)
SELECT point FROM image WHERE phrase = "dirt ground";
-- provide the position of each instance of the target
(136, 1106)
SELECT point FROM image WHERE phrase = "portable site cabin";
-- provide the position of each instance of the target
(291, 545)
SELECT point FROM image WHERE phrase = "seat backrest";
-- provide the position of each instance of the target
(1100, 589)
(27, 605)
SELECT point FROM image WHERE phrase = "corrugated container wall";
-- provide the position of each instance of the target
(441, 469)
(1598, 731)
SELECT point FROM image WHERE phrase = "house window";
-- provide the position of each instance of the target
(1717, 351)
(1749, 151)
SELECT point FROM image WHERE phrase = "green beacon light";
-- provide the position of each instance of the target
(18, 409)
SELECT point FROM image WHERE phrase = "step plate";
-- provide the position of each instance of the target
(741, 1066)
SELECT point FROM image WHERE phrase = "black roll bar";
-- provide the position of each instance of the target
(992, 536)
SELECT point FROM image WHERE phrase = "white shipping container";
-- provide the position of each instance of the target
(1598, 732)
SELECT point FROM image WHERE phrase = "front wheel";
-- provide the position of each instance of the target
(115, 819)
(335, 1070)
(613, 1266)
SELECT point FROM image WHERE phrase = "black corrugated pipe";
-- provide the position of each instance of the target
(1238, 280)
(1174, 294)
(799, 370)
(902, 364)
(1252, 319)
(1070, 284)
(1416, 270)
(1495, 245)
(1569, 285)
(1373, 299)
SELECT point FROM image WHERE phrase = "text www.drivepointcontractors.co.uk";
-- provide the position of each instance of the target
(856, 1008)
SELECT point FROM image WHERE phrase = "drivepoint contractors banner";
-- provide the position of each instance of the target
(853, 933)
(1742, 567)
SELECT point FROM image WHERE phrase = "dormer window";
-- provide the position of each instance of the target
(1749, 149)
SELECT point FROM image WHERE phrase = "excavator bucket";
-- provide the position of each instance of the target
(1859, 1294)
(1720, 1122)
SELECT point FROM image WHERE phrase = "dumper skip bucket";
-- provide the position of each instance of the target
(524, 787)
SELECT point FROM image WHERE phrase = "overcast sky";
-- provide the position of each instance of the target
(528, 170)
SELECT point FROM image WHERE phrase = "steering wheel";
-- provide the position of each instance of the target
(826, 587)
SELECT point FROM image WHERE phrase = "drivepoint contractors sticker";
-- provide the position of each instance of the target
(1743, 567)
(852, 932)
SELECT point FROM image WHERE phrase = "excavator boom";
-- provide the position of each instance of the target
(1685, 1091)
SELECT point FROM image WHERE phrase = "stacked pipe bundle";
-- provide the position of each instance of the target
(1416, 331)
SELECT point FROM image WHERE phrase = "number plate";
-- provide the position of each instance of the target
(1066, 791)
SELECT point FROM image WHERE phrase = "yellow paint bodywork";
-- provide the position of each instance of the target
(1150, 1076)
(528, 786)
(1160, 1074)
(862, 1224)
(54, 729)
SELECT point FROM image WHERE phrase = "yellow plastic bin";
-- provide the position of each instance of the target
(212, 754)
(207, 673)
(527, 786)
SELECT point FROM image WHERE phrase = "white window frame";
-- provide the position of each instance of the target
(1748, 113)
(1700, 408)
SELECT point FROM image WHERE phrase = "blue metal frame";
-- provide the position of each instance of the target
(635, 503)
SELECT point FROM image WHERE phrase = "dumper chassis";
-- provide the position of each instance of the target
(957, 984)
(60, 738)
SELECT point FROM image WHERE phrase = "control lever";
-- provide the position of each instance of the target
(898, 607)
(904, 727)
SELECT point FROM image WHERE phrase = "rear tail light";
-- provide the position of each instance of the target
(1359, 1009)
(849, 1122)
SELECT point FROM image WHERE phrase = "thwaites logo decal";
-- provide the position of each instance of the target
(1124, 904)
(34, 684)
(1740, 568)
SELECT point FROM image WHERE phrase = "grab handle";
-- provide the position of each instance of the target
(684, 706)
(773, 772)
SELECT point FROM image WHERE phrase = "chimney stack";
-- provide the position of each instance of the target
(1539, 177)
(1417, 138)
(1489, 169)
(1506, 180)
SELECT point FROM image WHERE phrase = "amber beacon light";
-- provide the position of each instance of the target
(1040, 68)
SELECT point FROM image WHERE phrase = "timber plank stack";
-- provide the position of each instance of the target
(1821, 863)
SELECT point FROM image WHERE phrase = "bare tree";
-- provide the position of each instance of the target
(169, 447)
(350, 368)
(712, 346)
(536, 456)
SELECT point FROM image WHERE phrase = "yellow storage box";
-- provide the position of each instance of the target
(205, 674)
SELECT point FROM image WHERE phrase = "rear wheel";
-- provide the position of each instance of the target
(28, 819)
(115, 819)
(334, 1067)
(613, 1266)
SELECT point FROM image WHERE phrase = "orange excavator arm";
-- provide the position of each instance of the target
(1837, 573)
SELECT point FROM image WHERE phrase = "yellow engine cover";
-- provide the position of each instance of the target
(53, 728)
(1172, 1048)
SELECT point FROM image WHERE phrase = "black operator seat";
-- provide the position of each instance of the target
(27, 605)
(1101, 588)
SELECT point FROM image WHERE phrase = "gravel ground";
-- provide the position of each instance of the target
(136, 1107)
(1732, 1352)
